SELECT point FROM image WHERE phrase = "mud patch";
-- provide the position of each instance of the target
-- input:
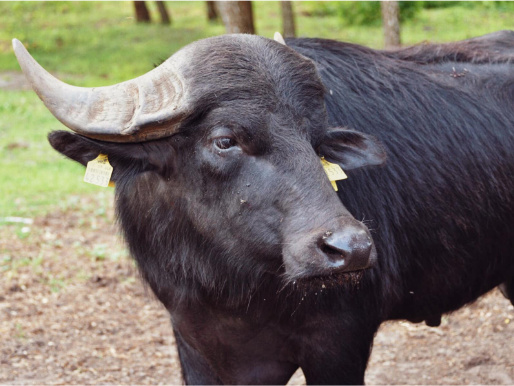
(13, 80)
(73, 310)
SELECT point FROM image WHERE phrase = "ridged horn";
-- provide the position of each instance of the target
(148, 107)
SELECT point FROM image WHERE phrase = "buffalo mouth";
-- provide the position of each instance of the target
(335, 278)
(333, 255)
(346, 280)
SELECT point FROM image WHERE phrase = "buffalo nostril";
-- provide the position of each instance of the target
(348, 249)
(334, 250)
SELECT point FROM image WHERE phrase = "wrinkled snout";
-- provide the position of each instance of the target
(342, 246)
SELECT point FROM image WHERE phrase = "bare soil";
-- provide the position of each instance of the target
(13, 80)
(74, 311)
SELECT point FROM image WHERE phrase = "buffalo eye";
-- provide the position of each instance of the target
(224, 143)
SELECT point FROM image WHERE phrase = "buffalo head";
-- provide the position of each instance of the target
(216, 157)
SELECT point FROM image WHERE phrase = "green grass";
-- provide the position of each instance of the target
(456, 23)
(99, 43)
(33, 177)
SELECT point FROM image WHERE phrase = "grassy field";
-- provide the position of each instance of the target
(99, 43)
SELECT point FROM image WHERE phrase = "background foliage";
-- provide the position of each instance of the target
(368, 12)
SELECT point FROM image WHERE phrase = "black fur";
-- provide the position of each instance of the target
(213, 231)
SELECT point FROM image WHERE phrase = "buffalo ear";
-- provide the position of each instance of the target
(351, 149)
(124, 157)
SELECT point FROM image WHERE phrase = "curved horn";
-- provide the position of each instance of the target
(148, 107)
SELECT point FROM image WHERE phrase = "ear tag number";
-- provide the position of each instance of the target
(334, 172)
(99, 171)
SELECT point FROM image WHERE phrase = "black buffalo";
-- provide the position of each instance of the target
(226, 208)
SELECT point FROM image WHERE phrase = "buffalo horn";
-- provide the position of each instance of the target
(148, 107)
(278, 37)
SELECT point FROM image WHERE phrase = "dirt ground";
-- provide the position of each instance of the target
(74, 311)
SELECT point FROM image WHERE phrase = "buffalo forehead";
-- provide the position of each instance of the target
(248, 67)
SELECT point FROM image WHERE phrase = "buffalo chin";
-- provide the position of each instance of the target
(347, 281)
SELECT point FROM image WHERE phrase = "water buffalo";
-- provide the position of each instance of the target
(225, 206)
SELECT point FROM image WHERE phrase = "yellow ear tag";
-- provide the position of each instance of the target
(334, 172)
(99, 171)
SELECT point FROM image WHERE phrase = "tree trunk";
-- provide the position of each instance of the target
(288, 19)
(212, 13)
(142, 14)
(391, 23)
(165, 16)
(237, 16)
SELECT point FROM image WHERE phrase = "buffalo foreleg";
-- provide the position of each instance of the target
(338, 356)
(507, 289)
(195, 369)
